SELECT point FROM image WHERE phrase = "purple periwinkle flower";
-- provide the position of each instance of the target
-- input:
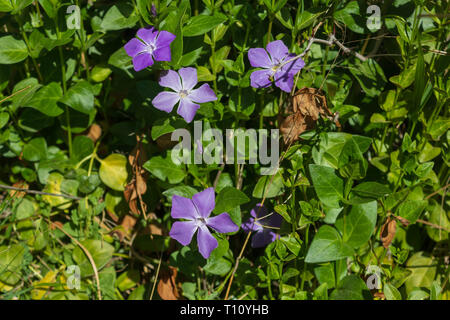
(182, 82)
(274, 61)
(151, 45)
(197, 212)
(263, 235)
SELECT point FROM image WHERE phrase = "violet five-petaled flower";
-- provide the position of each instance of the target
(151, 45)
(274, 61)
(259, 224)
(197, 212)
(182, 82)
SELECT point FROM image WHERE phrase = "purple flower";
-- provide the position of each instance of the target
(197, 211)
(151, 45)
(263, 236)
(182, 83)
(273, 61)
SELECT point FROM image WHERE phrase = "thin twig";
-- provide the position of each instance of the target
(88, 255)
(2, 186)
(17, 92)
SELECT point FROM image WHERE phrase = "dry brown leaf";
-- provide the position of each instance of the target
(387, 232)
(138, 185)
(379, 295)
(16, 193)
(404, 222)
(94, 133)
(303, 111)
(126, 227)
(167, 286)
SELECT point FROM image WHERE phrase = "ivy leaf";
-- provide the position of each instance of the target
(327, 245)
(12, 50)
(358, 225)
(264, 186)
(113, 171)
(229, 198)
(329, 187)
(46, 100)
(201, 24)
(100, 251)
(351, 287)
(165, 169)
(80, 97)
(35, 150)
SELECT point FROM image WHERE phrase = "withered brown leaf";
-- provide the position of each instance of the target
(302, 113)
(387, 232)
(167, 286)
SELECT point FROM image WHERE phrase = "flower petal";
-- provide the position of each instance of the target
(259, 211)
(183, 208)
(162, 54)
(187, 109)
(251, 225)
(258, 57)
(284, 81)
(222, 223)
(134, 47)
(263, 238)
(206, 242)
(261, 78)
(188, 77)
(170, 79)
(205, 202)
(165, 101)
(164, 38)
(147, 34)
(142, 61)
(202, 94)
(183, 231)
(278, 51)
(294, 66)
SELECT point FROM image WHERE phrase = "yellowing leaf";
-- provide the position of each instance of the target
(113, 171)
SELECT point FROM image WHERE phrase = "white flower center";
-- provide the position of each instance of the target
(200, 222)
(150, 48)
(183, 93)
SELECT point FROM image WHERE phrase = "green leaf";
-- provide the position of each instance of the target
(269, 186)
(438, 217)
(370, 190)
(423, 271)
(100, 251)
(12, 50)
(405, 79)
(6, 6)
(11, 258)
(305, 19)
(35, 150)
(351, 287)
(80, 97)
(120, 16)
(201, 24)
(411, 209)
(54, 185)
(358, 225)
(113, 171)
(351, 17)
(370, 76)
(229, 198)
(165, 169)
(164, 126)
(327, 245)
(329, 187)
(46, 100)
(391, 292)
